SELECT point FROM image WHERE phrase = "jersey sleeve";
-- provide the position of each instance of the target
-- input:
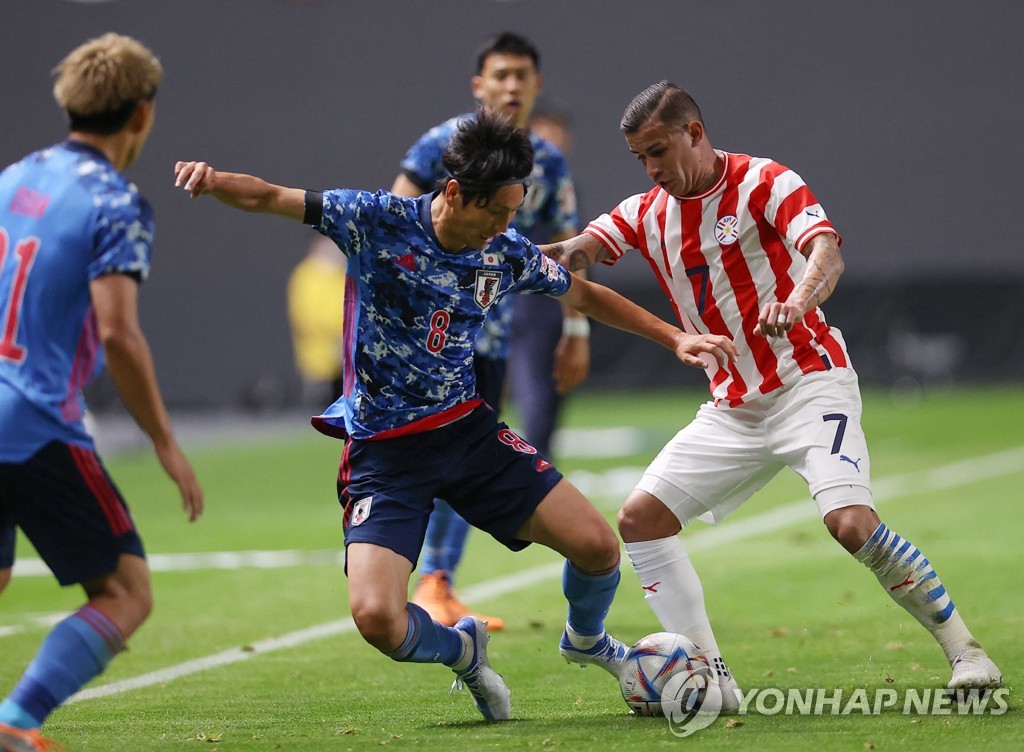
(559, 213)
(618, 230)
(123, 234)
(349, 217)
(422, 163)
(540, 274)
(794, 211)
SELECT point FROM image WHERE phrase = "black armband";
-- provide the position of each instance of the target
(314, 213)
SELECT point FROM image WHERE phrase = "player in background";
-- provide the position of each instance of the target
(75, 243)
(745, 251)
(422, 274)
(508, 81)
(539, 329)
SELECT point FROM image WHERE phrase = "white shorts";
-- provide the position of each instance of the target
(728, 453)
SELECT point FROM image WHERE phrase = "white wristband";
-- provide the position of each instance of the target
(575, 327)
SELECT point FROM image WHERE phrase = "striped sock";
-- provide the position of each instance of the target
(909, 579)
(76, 651)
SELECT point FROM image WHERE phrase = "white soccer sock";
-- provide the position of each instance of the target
(674, 593)
(908, 578)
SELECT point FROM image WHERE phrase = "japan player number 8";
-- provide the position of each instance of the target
(438, 333)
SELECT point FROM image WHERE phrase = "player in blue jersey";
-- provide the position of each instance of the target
(508, 81)
(422, 275)
(75, 241)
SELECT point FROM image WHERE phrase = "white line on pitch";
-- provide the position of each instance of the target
(1007, 462)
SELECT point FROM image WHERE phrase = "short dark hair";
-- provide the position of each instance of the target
(486, 153)
(665, 101)
(507, 43)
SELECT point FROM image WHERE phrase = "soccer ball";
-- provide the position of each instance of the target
(660, 659)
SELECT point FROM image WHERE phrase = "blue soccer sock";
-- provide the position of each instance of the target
(909, 579)
(454, 544)
(76, 651)
(427, 641)
(590, 597)
(435, 556)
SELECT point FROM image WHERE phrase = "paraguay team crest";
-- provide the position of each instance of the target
(727, 230)
(487, 284)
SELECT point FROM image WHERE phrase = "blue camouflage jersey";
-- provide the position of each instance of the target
(67, 216)
(550, 206)
(414, 310)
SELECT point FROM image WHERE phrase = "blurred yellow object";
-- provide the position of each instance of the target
(316, 310)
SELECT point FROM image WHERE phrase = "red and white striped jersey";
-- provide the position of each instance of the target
(721, 256)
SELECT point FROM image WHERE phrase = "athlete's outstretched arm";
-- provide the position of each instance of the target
(115, 301)
(824, 267)
(607, 306)
(580, 252)
(244, 192)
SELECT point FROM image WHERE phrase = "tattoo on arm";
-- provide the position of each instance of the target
(578, 253)
(824, 266)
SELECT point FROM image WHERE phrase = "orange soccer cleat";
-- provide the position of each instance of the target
(435, 596)
(14, 739)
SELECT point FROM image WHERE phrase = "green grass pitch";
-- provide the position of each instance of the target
(791, 609)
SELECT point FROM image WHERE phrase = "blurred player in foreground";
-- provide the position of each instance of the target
(507, 81)
(746, 252)
(75, 243)
(423, 273)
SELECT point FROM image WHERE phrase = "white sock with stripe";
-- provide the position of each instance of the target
(909, 579)
(674, 593)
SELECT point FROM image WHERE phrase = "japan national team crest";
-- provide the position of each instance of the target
(487, 284)
(727, 230)
(361, 511)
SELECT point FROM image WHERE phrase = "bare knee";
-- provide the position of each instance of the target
(5, 577)
(852, 526)
(383, 625)
(600, 551)
(643, 517)
(125, 595)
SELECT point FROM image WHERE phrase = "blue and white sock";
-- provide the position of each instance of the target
(590, 597)
(75, 652)
(427, 641)
(909, 579)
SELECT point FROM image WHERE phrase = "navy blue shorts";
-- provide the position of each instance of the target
(69, 508)
(489, 475)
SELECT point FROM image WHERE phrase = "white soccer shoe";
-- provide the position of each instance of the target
(490, 695)
(608, 653)
(973, 669)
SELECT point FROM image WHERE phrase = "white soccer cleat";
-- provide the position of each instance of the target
(490, 695)
(608, 653)
(973, 669)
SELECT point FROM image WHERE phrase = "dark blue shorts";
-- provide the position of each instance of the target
(69, 508)
(489, 475)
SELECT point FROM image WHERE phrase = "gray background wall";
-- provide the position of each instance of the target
(905, 118)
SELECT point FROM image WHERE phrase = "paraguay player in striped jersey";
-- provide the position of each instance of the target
(75, 242)
(422, 274)
(745, 252)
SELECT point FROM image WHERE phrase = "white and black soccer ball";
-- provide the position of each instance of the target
(666, 674)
